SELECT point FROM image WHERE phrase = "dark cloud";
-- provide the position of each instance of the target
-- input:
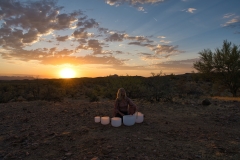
(139, 39)
(119, 52)
(80, 34)
(62, 38)
(115, 37)
(138, 44)
(95, 46)
(57, 57)
(82, 41)
(89, 59)
(102, 30)
(123, 36)
(149, 56)
(26, 22)
(91, 23)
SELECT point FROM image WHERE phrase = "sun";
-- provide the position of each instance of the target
(67, 73)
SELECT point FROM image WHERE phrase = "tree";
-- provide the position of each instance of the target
(224, 64)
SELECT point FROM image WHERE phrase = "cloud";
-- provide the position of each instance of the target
(161, 37)
(115, 37)
(190, 10)
(118, 37)
(88, 59)
(62, 38)
(34, 24)
(234, 22)
(102, 30)
(89, 23)
(134, 67)
(180, 65)
(81, 34)
(93, 45)
(228, 15)
(140, 9)
(24, 23)
(163, 41)
(166, 50)
(132, 2)
(138, 44)
(17, 38)
(176, 67)
(149, 56)
(119, 52)
(138, 38)
(57, 57)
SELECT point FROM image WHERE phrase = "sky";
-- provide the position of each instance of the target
(96, 38)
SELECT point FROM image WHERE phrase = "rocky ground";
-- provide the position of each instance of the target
(66, 130)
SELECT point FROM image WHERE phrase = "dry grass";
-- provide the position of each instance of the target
(227, 98)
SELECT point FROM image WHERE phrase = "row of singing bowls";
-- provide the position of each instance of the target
(128, 120)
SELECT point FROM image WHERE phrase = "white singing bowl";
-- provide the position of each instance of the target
(129, 120)
(97, 119)
(105, 120)
(116, 121)
(139, 117)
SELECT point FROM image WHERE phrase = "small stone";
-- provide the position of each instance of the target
(34, 146)
(68, 154)
(206, 102)
(109, 147)
(20, 99)
(95, 158)
(106, 151)
(147, 139)
(198, 156)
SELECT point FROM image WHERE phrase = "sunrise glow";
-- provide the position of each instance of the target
(124, 37)
(67, 73)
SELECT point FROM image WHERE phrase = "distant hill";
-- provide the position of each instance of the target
(16, 77)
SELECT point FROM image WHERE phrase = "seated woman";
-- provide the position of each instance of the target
(123, 104)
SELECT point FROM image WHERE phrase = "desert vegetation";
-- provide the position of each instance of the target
(155, 88)
(223, 65)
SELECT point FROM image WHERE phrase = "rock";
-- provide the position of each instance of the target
(68, 154)
(206, 102)
(34, 146)
(20, 99)
(95, 158)
(147, 139)
(106, 151)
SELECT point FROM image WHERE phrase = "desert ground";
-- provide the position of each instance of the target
(185, 130)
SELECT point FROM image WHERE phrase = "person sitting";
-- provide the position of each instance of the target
(123, 105)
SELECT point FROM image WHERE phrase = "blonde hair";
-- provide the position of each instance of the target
(120, 90)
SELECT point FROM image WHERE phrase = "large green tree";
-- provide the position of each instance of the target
(224, 64)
